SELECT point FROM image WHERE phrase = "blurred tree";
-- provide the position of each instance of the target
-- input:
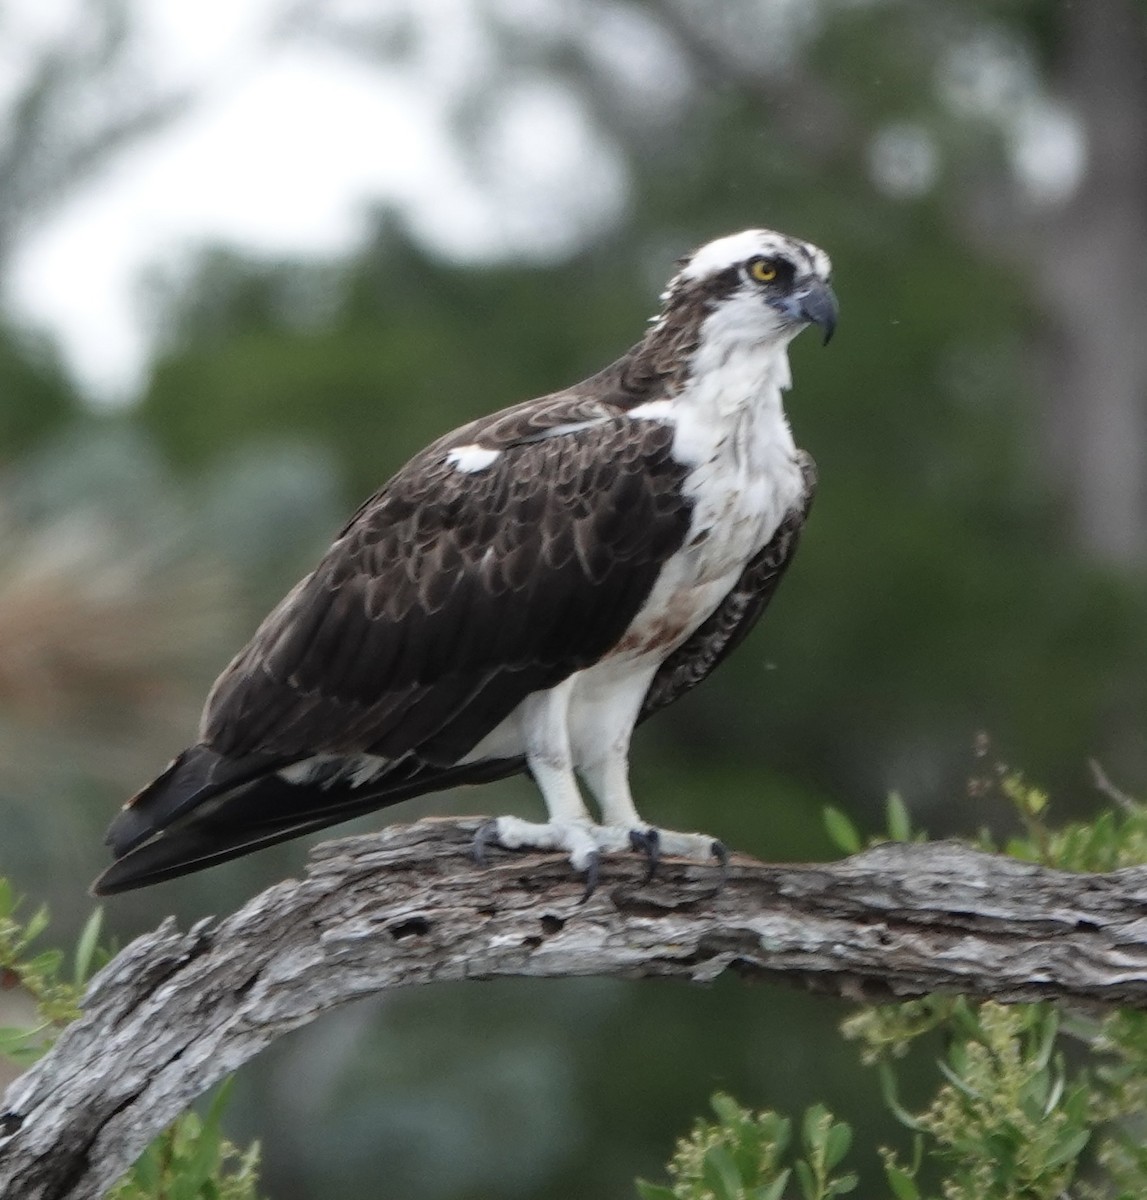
(112, 613)
(38, 398)
(77, 89)
(1088, 263)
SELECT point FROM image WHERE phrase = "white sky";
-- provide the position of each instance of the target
(289, 144)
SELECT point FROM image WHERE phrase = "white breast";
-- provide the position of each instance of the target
(730, 429)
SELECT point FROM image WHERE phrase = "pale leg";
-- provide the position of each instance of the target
(545, 723)
(603, 720)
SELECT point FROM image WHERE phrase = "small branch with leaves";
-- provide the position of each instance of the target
(175, 1012)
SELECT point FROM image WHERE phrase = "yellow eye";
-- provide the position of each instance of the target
(763, 270)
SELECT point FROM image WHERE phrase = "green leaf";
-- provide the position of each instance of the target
(146, 1171)
(815, 1127)
(805, 1179)
(902, 1184)
(777, 1130)
(844, 1185)
(202, 1157)
(841, 830)
(728, 1111)
(1048, 1029)
(45, 965)
(181, 1185)
(22, 1045)
(891, 1100)
(654, 1191)
(720, 1173)
(837, 1144)
(1069, 1148)
(86, 947)
(961, 1085)
(219, 1102)
(774, 1190)
(37, 923)
(899, 823)
(25, 1055)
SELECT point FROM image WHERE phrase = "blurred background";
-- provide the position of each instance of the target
(251, 261)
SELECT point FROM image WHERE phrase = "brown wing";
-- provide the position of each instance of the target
(452, 595)
(717, 637)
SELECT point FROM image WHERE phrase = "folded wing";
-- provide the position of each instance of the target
(468, 582)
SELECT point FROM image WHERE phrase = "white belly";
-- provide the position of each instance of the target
(740, 495)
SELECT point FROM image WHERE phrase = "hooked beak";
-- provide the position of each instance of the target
(816, 303)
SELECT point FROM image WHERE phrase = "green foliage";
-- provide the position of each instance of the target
(841, 831)
(1008, 1119)
(845, 836)
(190, 1160)
(39, 400)
(1027, 1102)
(41, 974)
(1116, 838)
(743, 1156)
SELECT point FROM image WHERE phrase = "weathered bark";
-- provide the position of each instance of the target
(175, 1012)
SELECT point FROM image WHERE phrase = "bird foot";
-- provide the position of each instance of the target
(585, 844)
(656, 843)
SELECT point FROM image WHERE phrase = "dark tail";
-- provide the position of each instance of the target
(205, 809)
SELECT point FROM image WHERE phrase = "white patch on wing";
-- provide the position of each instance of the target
(472, 458)
(563, 430)
(653, 410)
(325, 770)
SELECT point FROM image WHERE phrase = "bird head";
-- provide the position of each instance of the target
(762, 286)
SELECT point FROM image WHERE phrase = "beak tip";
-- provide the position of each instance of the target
(819, 306)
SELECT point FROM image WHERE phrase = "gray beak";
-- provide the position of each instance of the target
(816, 302)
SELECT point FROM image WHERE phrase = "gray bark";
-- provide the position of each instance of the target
(175, 1012)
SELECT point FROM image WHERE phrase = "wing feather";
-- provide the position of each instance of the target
(451, 595)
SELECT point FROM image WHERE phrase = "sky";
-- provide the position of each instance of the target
(288, 144)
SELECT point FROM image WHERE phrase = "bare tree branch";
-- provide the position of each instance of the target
(175, 1012)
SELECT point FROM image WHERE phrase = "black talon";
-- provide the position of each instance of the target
(483, 837)
(647, 842)
(592, 874)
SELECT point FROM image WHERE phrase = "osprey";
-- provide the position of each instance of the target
(521, 595)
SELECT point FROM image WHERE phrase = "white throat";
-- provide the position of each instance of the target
(730, 428)
(732, 403)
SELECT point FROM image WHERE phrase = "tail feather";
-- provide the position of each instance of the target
(199, 813)
(188, 781)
